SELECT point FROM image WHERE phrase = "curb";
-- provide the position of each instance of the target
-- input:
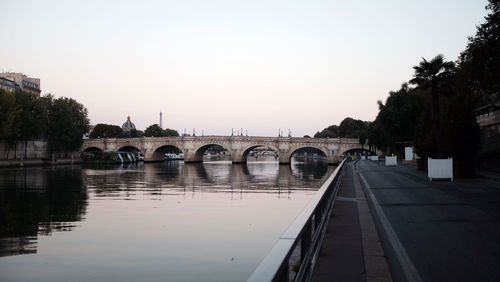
(401, 266)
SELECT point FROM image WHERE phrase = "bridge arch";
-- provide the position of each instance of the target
(322, 151)
(242, 155)
(96, 145)
(196, 155)
(158, 154)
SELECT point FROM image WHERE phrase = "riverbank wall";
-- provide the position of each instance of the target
(32, 152)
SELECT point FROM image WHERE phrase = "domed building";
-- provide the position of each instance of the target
(128, 126)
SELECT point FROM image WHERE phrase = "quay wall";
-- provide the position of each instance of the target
(30, 149)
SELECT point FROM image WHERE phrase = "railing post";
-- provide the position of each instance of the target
(305, 241)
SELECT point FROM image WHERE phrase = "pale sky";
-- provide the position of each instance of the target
(217, 65)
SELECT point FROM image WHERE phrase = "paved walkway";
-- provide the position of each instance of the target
(435, 231)
(351, 249)
(430, 231)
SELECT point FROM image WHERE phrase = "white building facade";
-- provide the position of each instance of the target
(25, 83)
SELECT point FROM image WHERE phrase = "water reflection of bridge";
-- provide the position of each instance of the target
(259, 176)
(55, 200)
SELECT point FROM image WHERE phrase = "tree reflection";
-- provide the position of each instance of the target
(38, 201)
(41, 201)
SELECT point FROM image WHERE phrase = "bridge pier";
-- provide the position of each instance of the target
(284, 158)
(333, 160)
(191, 156)
(239, 157)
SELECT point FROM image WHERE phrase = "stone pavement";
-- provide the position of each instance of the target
(430, 231)
(351, 249)
(435, 231)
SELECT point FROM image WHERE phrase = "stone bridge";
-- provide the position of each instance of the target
(193, 147)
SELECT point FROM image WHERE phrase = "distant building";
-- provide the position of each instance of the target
(25, 83)
(128, 126)
(8, 84)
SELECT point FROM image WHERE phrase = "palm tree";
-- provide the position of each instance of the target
(433, 72)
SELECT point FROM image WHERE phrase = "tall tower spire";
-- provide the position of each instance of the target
(161, 120)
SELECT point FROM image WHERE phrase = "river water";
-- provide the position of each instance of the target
(148, 222)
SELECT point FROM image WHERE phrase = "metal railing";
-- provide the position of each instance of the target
(294, 256)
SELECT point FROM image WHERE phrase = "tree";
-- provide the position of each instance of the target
(134, 133)
(351, 128)
(67, 123)
(153, 130)
(170, 132)
(397, 120)
(106, 131)
(478, 74)
(8, 114)
(330, 132)
(479, 63)
(433, 72)
(31, 121)
(378, 135)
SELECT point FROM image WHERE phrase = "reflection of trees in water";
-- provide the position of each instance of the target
(38, 201)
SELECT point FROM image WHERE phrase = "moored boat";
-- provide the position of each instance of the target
(173, 156)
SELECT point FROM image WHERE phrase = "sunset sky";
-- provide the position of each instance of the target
(217, 65)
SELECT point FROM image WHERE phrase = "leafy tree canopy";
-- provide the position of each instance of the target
(9, 112)
(170, 132)
(67, 123)
(135, 133)
(479, 63)
(62, 121)
(31, 120)
(352, 128)
(330, 132)
(348, 128)
(155, 130)
(397, 118)
(106, 131)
